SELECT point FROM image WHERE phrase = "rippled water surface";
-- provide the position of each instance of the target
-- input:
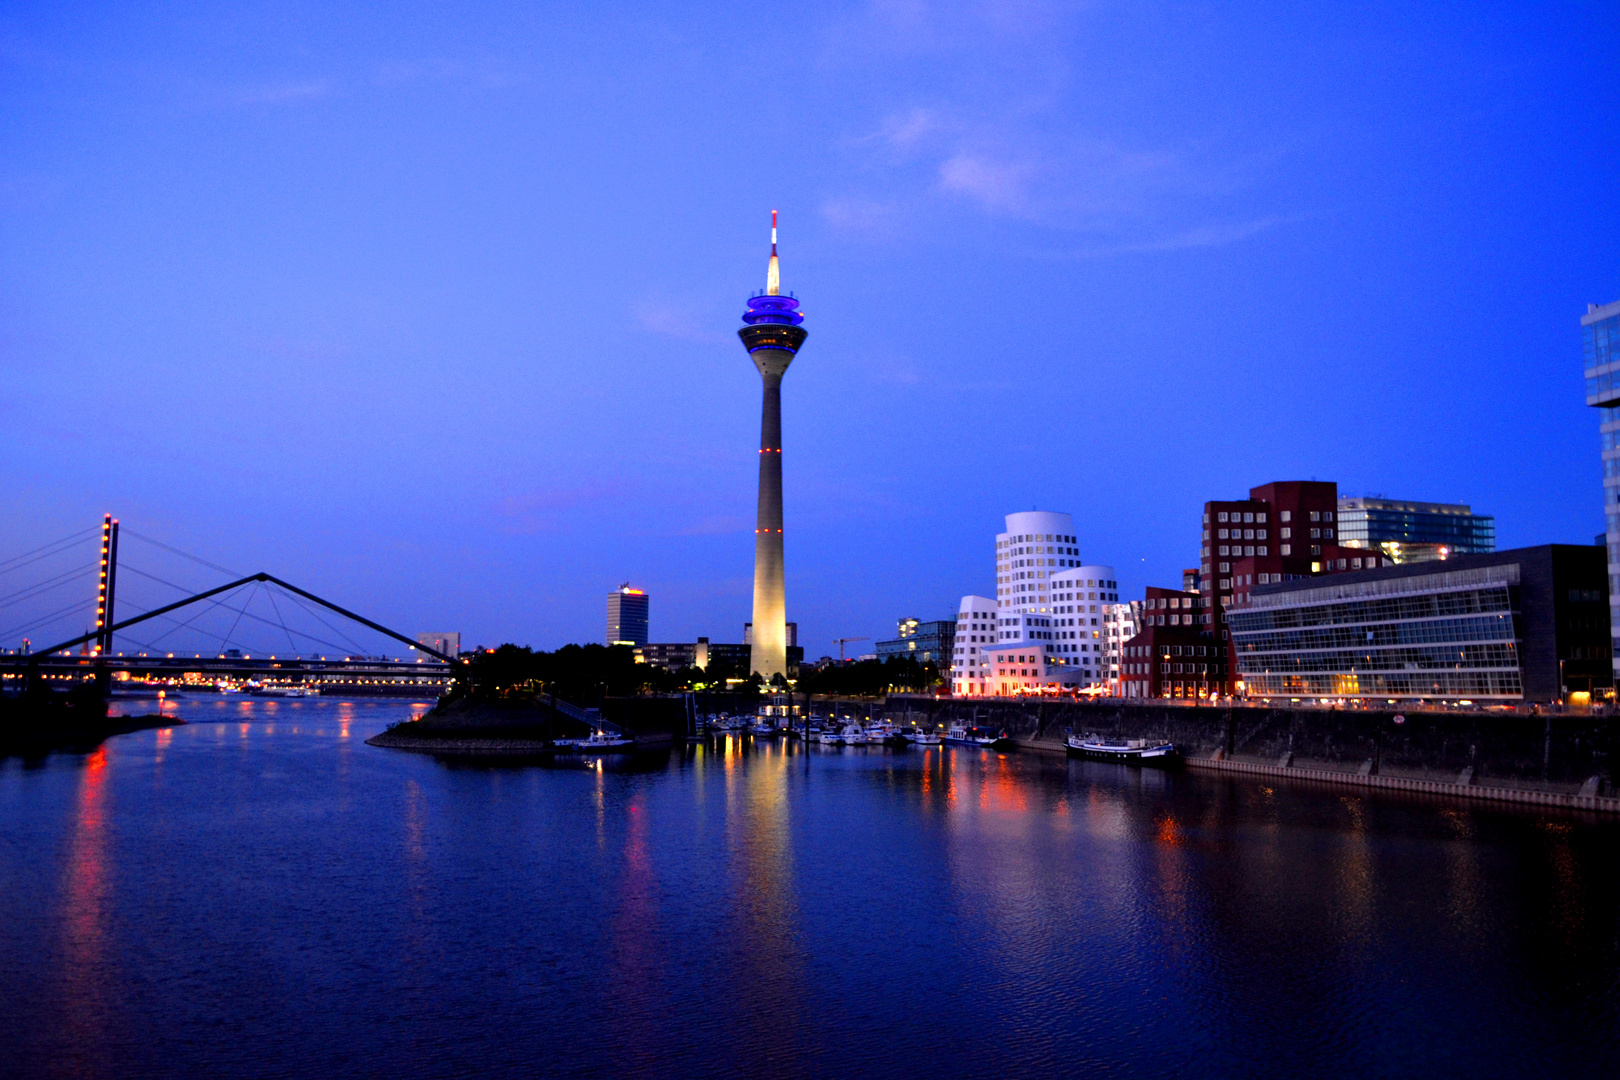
(259, 893)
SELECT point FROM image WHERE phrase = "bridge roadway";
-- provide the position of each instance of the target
(361, 677)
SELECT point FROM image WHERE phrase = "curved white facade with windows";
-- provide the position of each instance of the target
(1044, 630)
(1036, 545)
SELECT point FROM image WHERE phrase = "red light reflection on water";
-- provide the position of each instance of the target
(85, 1010)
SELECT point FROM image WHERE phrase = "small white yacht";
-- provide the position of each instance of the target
(600, 742)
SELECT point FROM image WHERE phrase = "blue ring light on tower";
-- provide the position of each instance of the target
(773, 323)
(773, 319)
(765, 308)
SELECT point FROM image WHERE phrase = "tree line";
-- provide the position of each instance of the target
(581, 674)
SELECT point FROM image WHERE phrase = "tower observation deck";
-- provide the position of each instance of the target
(773, 337)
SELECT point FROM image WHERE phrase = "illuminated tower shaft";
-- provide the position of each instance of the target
(773, 336)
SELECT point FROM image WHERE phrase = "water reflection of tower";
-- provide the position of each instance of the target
(773, 337)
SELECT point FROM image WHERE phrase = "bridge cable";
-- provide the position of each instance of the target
(239, 615)
(127, 531)
(17, 562)
(183, 624)
(241, 612)
(179, 624)
(46, 620)
(358, 648)
(41, 587)
(270, 594)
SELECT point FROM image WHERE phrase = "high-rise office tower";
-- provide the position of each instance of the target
(1600, 348)
(773, 337)
(627, 610)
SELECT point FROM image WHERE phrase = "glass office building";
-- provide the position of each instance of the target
(1408, 531)
(1600, 349)
(1529, 624)
(1450, 637)
(922, 641)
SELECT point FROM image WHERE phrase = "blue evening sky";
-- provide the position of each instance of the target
(431, 308)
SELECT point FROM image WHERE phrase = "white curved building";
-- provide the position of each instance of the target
(1048, 614)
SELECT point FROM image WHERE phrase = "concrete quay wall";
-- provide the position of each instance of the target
(1555, 760)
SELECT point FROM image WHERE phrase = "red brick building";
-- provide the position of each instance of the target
(1283, 531)
(1174, 654)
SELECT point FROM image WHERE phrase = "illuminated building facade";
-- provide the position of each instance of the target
(1530, 624)
(1121, 622)
(1406, 531)
(1284, 531)
(925, 642)
(1600, 350)
(1048, 631)
(627, 611)
(773, 338)
(970, 652)
(1172, 655)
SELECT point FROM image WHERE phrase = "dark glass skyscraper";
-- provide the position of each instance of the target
(1600, 349)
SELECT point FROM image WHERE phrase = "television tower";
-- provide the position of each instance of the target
(773, 336)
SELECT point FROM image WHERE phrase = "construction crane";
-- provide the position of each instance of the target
(840, 643)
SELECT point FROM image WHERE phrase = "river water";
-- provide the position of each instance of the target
(260, 894)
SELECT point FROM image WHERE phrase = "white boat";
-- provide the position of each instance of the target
(600, 742)
(763, 729)
(881, 732)
(1144, 751)
(282, 691)
(919, 737)
(851, 734)
(966, 735)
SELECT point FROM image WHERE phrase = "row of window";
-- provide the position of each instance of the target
(1173, 650)
(1491, 598)
(1435, 631)
(1425, 684)
(1498, 655)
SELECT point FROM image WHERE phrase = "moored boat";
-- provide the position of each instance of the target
(1141, 751)
(601, 742)
(850, 734)
(965, 735)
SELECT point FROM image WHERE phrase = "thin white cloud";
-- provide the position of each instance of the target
(997, 185)
(1201, 236)
(288, 93)
(677, 323)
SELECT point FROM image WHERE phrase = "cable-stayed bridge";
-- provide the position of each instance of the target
(141, 627)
